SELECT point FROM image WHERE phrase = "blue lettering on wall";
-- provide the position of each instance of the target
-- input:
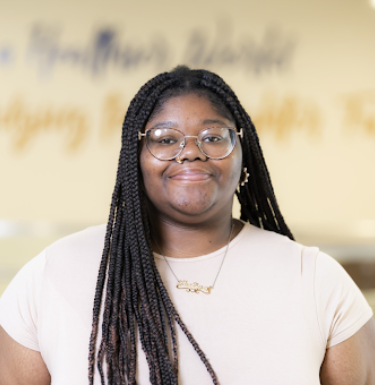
(108, 50)
(272, 52)
(6, 56)
(102, 53)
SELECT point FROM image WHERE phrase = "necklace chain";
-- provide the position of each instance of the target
(196, 287)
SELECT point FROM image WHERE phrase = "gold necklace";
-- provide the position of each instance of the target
(195, 287)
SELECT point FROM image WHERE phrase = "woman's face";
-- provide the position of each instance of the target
(199, 188)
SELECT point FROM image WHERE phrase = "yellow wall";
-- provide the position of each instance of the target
(303, 69)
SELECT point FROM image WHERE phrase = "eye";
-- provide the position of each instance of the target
(167, 140)
(163, 137)
(212, 139)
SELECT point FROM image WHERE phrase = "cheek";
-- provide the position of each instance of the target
(235, 167)
(151, 171)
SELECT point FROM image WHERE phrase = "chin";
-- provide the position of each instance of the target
(193, 207)
(192, 213)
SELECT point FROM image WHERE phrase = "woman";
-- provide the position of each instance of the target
(186, 294)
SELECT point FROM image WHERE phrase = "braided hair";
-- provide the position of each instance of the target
(136, 300)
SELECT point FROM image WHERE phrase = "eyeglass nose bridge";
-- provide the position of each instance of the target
(197, 142)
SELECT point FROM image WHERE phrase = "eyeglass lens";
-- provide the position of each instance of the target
(167, 143)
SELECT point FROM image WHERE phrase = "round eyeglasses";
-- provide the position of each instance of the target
(166, 143)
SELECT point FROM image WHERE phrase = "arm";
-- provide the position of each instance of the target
(19, 365)
(351, 362)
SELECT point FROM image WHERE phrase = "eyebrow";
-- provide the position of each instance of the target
(170, 123)
(214, 121)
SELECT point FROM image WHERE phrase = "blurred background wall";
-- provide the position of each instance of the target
(304, 70)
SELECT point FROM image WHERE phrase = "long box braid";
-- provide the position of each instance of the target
(129, 287)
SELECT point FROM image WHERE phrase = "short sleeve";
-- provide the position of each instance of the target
(20, 303)
(342, 309)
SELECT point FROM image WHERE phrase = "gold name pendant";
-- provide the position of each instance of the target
(193, 287)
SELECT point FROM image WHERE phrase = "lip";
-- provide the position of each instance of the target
(190, 174)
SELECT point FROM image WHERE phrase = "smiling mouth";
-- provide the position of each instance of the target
(191, 176)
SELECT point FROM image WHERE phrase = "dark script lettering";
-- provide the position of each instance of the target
(107, 50)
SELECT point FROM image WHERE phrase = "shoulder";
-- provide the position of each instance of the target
(269, 244)
(276, 250)
(254, 233)
(87, 243)
(75, 259)
(90, 237)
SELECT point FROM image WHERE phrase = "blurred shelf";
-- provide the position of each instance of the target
(336, 233)
(370, 296)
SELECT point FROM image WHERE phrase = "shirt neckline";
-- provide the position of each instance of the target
(214, 254)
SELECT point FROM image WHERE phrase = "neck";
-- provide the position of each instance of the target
(181, 240)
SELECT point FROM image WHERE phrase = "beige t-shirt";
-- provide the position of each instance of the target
(275, 308)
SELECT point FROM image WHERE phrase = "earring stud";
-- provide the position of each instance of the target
(246, 177)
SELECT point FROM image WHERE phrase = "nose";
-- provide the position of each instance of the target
(190, 150)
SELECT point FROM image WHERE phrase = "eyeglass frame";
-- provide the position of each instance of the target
(197, 142)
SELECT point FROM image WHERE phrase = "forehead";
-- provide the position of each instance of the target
(188, 111)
